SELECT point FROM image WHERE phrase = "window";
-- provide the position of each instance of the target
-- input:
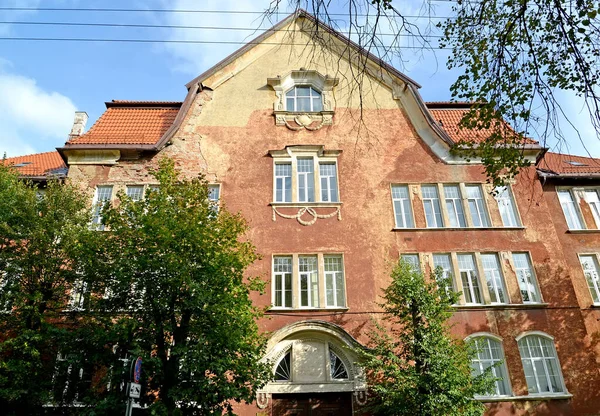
(79, 295)
(540, 364)
(309, 281)
(431, 204)
(303, 98)
(282, 276)
(445, 262)
(454, 207)
(493, 277)
(477, 206)
(214, 195)
(283, 182)
(570, 210)
(507, 207)
(283, 371)
(337, 368)
(101, 198)
(489, 354)
(135, 192)
(591, 197)
(591, 271)
(306, 180)
(334, 282)
(402, 208)
(526, 278)
(72, 377)
(412, 260)
(328, 175)
(468, 275)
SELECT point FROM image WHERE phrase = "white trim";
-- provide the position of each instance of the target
(533, 332)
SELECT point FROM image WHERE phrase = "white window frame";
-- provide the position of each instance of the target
(284, 189)
(333, 275)
(432, 203)
(593, 203)
(290, 155)
(405, 216)
(457, 202)
(480, 214)
(129, 187)
(331, 181)
(447, 273)
(77, 295)
(495, 275)
(414, 259)
(310, 285)
(505, 199)
(570, 209)
(501, 367)
(594, 276)
(215, 203)
(281, 275)
(533, 278)
(304, 177)
(312, 98)
(98, 205)
(525, 337)
(472, 278)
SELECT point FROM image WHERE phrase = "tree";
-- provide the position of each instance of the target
(517, 57)
(42, 250)
(414, 366)
(174, 280)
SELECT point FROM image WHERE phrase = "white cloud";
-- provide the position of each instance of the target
(31, 119)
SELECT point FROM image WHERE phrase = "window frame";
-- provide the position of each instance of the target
(309, 96)
(594, 205)
(455, 204)
(512, 204)
(447, 273)
(534, 283)
(410, 206)
(431, 200)
(573, 209)
(274, 275)
(500, 277)
(561, 379)
(476, 278)
(291, 155)
(480, 205)
(596, 281)
(97, 205)
(343, 273)
(502, 366)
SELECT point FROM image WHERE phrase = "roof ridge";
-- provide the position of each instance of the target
(31, 154)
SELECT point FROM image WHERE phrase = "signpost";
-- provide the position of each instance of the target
(134, 388)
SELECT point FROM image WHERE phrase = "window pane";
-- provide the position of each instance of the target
(468, 275)
(102, 197)
(456, 215)
(327, 171)
(413, 260)
(506, 206)
(591, 271)
(282, 276)
(444, 261)
(303, 91)
(592, 198)
(540, 363)
(489, 354)
(493, 277)
(306, 180)
(135, 192)
(309, 285)
(283, 182)
(302, 104)
(402, 208)
(477, 206)
(527, 283)
(570, 210)
(431, 203)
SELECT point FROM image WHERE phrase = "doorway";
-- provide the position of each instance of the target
(312, 404)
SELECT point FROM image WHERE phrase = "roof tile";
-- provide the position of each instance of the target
(559, 163)
(39, 164)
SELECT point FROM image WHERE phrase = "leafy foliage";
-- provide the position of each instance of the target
(414, 366)
(174, 274)
(41, 250)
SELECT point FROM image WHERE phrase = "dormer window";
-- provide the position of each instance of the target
(303, 98)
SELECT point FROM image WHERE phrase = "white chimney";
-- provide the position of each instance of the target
(79, 123)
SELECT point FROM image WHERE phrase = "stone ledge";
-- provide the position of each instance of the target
(587, 231)
(458, 228)
(530, 398)
(503, 306)
(302, 310)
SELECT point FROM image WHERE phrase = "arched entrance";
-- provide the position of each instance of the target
(315, 372)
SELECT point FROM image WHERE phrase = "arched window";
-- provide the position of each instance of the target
(489, 354)
(303, 98)
(337, 367)
(542, 370)
(283, 371)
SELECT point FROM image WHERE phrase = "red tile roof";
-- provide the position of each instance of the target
(448, 116)
(39, 164)
(561, 164)
(130, 122)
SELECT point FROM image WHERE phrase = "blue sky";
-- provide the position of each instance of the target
(43, 83)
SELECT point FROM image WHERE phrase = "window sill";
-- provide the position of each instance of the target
(457, 228)
(275, 310)
(503, 306)
(586, 231)
(531, 397)
(305, 204)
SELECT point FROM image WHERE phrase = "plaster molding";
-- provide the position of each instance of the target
(93, 157)
(307, 210)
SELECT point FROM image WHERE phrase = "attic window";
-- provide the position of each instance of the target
(303, 98)
(574, 163)
(22, 164)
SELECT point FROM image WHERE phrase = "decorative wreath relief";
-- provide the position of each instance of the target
(360, 397)
(262, 400)
(310, 213)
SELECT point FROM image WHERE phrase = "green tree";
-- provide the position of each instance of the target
(174, 278)
(414, 366)
(42, 250)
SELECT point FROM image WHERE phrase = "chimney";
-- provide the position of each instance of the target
(79, 123)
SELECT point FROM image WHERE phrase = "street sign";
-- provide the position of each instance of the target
(135, 390)
(137, 370)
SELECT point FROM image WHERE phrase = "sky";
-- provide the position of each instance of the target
(42, 84)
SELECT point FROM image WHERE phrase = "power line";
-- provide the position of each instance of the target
(187, 42)
(136, 25)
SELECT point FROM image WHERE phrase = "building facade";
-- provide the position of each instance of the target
(338, 184)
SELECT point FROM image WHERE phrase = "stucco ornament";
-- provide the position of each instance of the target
(310, 211)
(262, 399)
(360, 397)
(303, 121)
